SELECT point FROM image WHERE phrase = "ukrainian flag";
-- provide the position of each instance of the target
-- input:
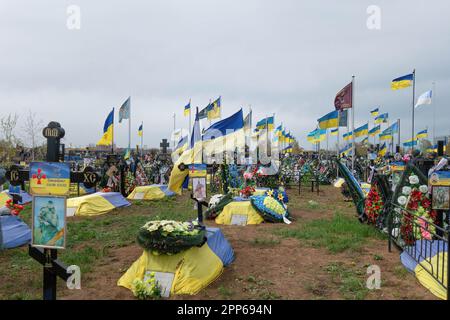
(375, 112)
(348, 136)
(181, 146)
(317, 136)
(374, 131)
(334, 132)
(346, 150)
(265, 123)
(226, 135)
(365, 140)
(127, 154)
(402, 82)
(422, 134)
(383, 150)
(140, 130)
(362, 131)
(279, 131)
(193, 154)
(187, 109)
(108, 130)
(214, 109)
(382, 118)
(385, 135)
(410, 143)
(330, 120)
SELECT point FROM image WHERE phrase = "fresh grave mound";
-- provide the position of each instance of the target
(202, 255)
(270, 207)
(13, 232)
(153, 192)
(428, 260)
(95, 204)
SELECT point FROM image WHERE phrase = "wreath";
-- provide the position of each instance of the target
(170, 237)
(374, 204)
(271, 209)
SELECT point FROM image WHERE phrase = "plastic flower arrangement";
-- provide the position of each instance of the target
(14, 208)
(418, 218)
(247, 191)
(146, 289)
(170, 237)
(373, 205)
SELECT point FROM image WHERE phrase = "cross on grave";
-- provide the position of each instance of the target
(164, 144)
(16, 176)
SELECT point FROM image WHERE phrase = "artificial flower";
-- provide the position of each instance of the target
(414, 179)
(401, 200)
(406, 190)
(423, 188)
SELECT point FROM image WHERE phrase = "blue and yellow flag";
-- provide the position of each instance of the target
(374, 131)
(214, 109)
(334, 132)
(362, 131)
(375, 112)
(265, 123)
(317, 136)
(365, 140)
(140, 130)
(422, 134)
(108, 130)
(187, 109)
(382, 118)
(346, 150)
(383, 150)
(127, 154)
(348, 136)
(330, 120)
(402, 82)
(385, 135)
(410, 143)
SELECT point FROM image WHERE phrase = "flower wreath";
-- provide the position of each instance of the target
(170, 237)
(373, 204)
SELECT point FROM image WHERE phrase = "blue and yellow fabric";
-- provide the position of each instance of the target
(194, 269)
(153, 192)
(95, 204)
(13, 232)
(270, 209)
(330, 120)
(5, 196)
(239, 208)
(432, 263)
(362, 131)
(402, 82)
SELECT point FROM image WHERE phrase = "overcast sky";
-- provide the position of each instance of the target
(287, 57)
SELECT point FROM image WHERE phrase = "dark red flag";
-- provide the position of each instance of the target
(343, 99)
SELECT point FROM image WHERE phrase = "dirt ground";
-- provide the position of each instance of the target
(278, 268)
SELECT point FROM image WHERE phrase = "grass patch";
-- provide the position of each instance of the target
(265, 242)
(351, 286)
(339, 234)
(225, 292)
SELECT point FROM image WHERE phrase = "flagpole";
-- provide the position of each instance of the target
(399, 145)
(353, 123)
(142, 138)
(413, 101)
(129, 126)
(190, 119)
(112, 140)
(174, 126)
(433, 101)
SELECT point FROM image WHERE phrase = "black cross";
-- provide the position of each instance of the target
(17, 176)
(164, 144)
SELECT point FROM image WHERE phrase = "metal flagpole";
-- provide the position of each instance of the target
(142, 138)
(398, 139)
(129, 126)
(190, 119)
(174, 126)
(413, 101)
(433, 101)
(353, 123)
(112, 139)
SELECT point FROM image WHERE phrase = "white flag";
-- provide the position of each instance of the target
(425, 98)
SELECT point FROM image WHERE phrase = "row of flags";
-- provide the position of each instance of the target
(211, 111)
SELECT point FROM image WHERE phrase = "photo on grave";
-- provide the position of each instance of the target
(441, 198)
(199, 188)
(49, 222)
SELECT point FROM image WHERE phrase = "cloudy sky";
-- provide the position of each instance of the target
(287, 57)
